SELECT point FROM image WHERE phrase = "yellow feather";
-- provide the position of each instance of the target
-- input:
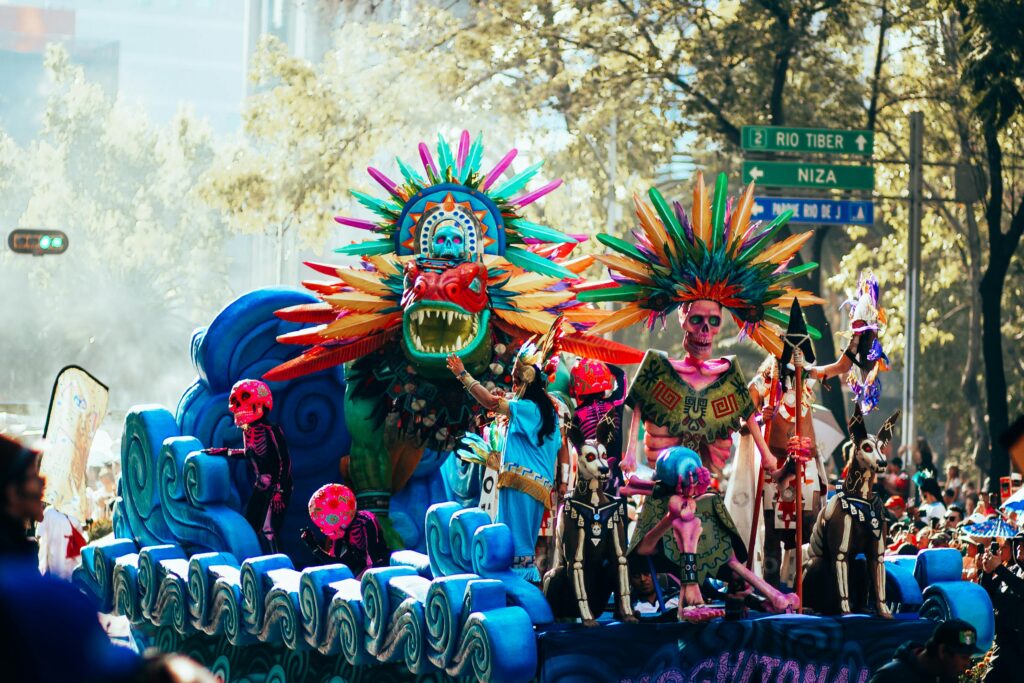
(627, 267)
(579, 264)
(803, 296)
(624, 317)
(359, 324)
(539, 300)
(701, 217)
(741, 215)
(384, 264)
(777, 253)
(585, 314)
(768, 339)
(358, 302)
(529, 282)
(531, 321)
(654, 229)
(364, 280)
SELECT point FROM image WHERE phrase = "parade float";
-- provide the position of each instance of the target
(363, 397)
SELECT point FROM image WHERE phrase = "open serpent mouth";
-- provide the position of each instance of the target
(439, 329)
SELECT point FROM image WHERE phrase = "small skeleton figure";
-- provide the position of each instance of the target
(353, 538)
(599, 393)
(265, 448)
(852, 522)
(590, 545)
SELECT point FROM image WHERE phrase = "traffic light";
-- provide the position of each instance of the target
(37, 242)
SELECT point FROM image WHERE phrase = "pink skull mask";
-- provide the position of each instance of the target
(332, 508)
(702, 320)
(250, 400)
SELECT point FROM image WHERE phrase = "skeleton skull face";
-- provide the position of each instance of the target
(702, 320)
(868, 447)
(249, 400)
(448, 241)
(593, 461)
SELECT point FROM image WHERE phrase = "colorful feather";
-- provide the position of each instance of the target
(358, 324)
(307, 313)
(323, 357)
(624, 317)
(700, 216)
(365, 281)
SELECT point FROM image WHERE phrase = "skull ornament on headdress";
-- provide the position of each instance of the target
(590, 377)
(332, 508)
(250, 399)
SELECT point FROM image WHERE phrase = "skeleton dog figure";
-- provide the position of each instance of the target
(590, 545)
(852, 522)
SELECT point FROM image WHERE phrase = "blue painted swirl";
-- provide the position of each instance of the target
(464, 524)
(445, 599)
(126, 588)
(151, 573)
(317, 587)
(438, 538)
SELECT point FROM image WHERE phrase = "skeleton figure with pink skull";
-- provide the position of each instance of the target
(265, 448)
(353, 537)
(699, 265)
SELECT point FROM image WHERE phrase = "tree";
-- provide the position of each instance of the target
(146, 262)
(993, 53)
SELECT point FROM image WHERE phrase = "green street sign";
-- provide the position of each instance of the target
(813, 140)
(804, 174)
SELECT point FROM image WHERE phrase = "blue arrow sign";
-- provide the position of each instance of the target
(821, 211)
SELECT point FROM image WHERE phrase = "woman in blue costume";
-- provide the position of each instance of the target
(532, 441)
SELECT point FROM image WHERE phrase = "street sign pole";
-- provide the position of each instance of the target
(913, 284)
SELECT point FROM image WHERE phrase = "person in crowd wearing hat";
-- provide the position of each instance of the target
(895, 510)
(21, 499)
(945, 656)
(955, 516)
(931, 496)
(1006, 588)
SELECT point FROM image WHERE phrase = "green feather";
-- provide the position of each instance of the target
(757, 247)
(540, 232)
(444, 156)
(378, 206)
(668, 218)
(619, 293)
(410, 175)
(718, 211)
(791, 273)
(367, 248)
(527, 260)
(517, 182)
(622, 246)
(476, 153)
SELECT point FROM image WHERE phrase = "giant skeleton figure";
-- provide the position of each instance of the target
(265, 448)
(454, 268)
(697, 264)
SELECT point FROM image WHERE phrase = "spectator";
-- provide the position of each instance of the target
(21, 498)
(1006, 588)
(924, 461)
(955, 516)
(932, 497)
(984, 504)
(970, 504)
(895, 481)
(945, 656)
(953, 480)
(948, 497)
(939, 540)
(896, 510)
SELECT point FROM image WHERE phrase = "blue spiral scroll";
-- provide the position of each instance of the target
(171, 607)
(444, 616)
(439, 544)
(346, 632)
(406, 631)
(240, 343)
(498, 645)
(377, 605)
(94, 577)
(317, 586)
(961, 600)
(125, 581)
(151, 573)
(257, 577)
(145, 428)
(463, 525)
(492, 559)
(283, 617)
(226, 609)
(203, 571)
(415, 560)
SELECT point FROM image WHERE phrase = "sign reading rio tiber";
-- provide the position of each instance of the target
(810, 140)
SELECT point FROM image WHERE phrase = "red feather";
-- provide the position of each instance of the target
(604, 350)
(307, 336)
(321, 287)
(307, 313)
(324, 357)
(325, 268)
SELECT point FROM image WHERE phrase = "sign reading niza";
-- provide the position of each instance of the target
(805, 174)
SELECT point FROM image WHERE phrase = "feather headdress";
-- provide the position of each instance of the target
(716, 253)
(528, 272)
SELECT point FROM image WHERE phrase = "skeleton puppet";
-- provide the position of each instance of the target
(353, 537)
(265, 448)
(852, 522)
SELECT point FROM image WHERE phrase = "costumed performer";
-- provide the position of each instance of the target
(599, 392)
(264, 446)
(353, 537)
(532, 442)
(698, 265)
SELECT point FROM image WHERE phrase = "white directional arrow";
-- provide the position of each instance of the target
(859, 216)
(757, 210)
(861, 141)
(756, 173)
